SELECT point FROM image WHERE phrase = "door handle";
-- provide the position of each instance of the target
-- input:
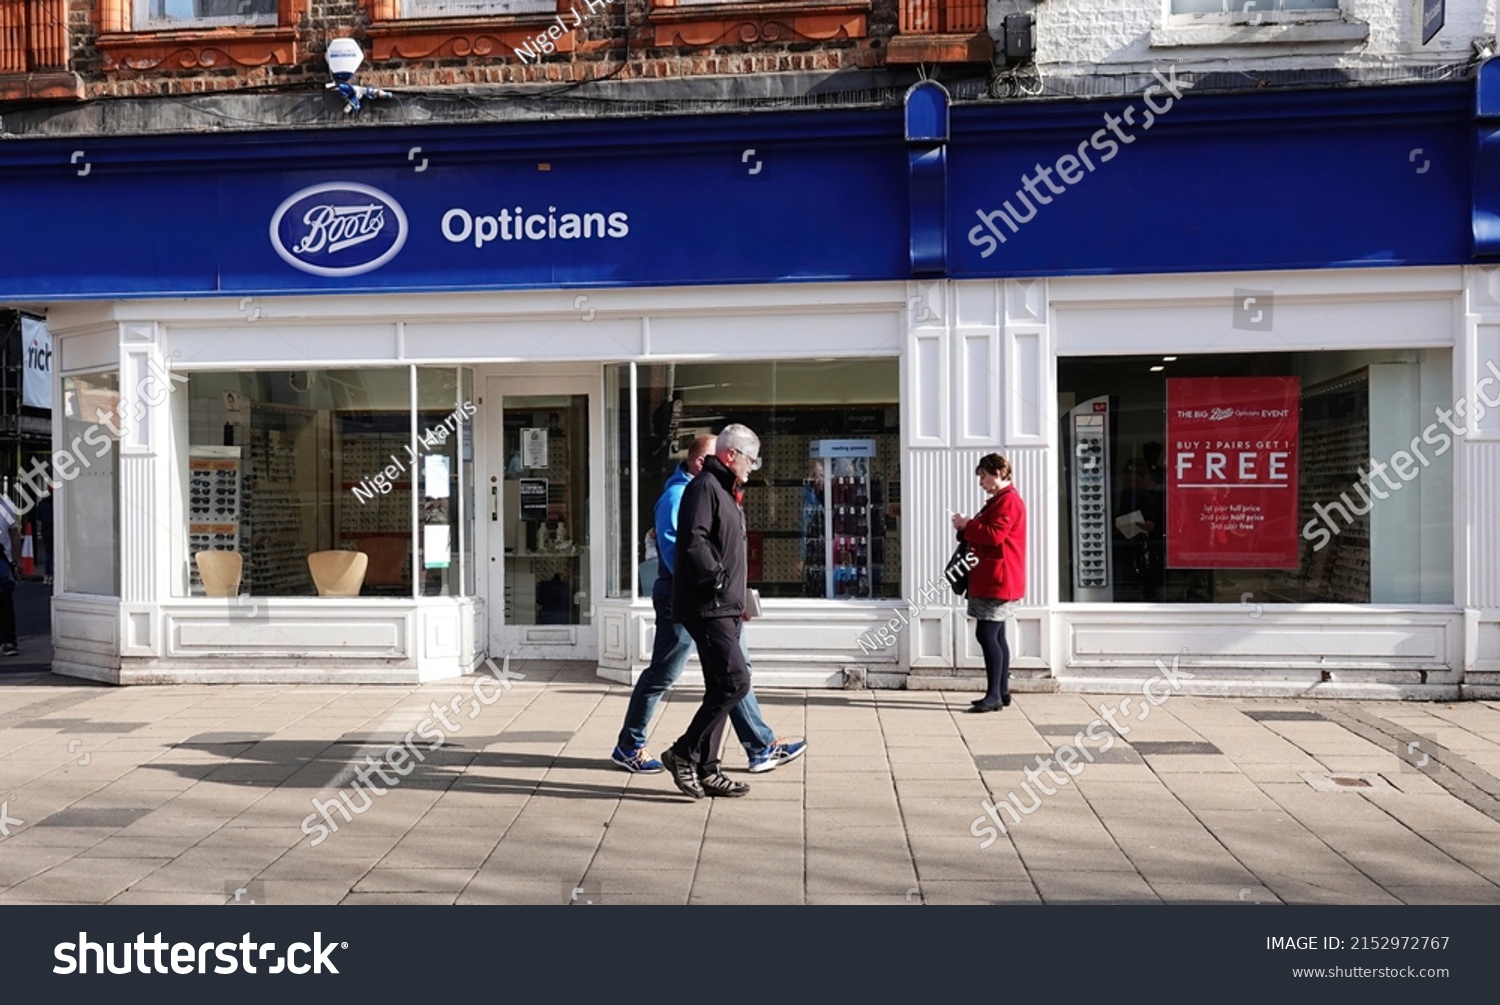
(494, 504)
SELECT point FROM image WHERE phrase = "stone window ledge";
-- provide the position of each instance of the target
(705, 24)
(1338, 32)
(41, 85)
(463, 37)
(201, 49)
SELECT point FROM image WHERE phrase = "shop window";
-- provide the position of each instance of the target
(474, 8)
(823, 513)
(280, 465)
(91, 428)
(1258, 479)
(1254, 10)
(155, 15)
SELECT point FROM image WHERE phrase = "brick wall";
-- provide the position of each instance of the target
(187, 63)
(1076, 38)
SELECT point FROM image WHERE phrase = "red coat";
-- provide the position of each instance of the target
(998, 536)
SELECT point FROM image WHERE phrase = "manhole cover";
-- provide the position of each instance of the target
(1347, 781)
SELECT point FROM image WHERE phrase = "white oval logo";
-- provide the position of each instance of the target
(338, 228)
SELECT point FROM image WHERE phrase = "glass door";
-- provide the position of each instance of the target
(541, 563)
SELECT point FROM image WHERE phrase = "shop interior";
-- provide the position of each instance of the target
(546, 510)
(1355, 405)
(823, 513)
(325, 483)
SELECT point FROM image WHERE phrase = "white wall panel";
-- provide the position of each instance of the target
(1301, 323)
(925, 391)
(1029, 386)
(977, 303)
(141, 539)
(354, 635)
(929, 495)
(765, 336)
(525, 341)
(980, 382)
(1025, 301)
(1480, 511)
(1284, 643)
(293, 346)
(927, 304)
(1476, 367)
(1482, 289)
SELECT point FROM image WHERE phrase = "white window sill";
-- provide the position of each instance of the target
(1302, 33)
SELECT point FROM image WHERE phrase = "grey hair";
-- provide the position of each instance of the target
(738, 438)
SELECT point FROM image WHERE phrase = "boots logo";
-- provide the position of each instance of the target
(338, 229)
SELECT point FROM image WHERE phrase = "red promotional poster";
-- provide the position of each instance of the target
(1232, 472)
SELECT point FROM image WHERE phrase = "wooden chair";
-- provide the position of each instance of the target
(338, 573)
(220, 572)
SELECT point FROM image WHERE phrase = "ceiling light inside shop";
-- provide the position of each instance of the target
(1157, 369)
(1169, 359)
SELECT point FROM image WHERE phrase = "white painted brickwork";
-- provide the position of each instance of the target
(1081, 38)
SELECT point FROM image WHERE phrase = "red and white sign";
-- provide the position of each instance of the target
(1232, 472)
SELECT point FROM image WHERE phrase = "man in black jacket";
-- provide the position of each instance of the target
(708, 598)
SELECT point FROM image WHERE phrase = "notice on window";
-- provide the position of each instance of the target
(1232, 472)
(437, 549)
(534, 499)
(435, 473)
(534, 447)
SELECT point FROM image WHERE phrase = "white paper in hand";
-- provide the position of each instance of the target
(1132, 524)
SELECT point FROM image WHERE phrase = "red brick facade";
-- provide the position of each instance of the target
(107, 57)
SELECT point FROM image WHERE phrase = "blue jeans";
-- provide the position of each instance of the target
(668, 659)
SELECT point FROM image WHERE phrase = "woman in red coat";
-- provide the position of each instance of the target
(997, 535)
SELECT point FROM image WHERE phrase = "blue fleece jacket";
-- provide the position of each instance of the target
(666, 517)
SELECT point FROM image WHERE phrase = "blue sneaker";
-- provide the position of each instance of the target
(636, 761)
(777, 754)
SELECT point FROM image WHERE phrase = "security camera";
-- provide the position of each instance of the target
(344, 56)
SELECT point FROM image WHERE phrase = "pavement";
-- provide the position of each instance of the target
(204, 794)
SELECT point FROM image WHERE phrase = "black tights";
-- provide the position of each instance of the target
(996, 649)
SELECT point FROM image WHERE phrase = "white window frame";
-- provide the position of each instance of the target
(143, 18)
(476, 8)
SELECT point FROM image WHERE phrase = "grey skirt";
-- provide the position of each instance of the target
(981, 609)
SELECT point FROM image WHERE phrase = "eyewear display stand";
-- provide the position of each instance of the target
(1091, 491)
(214, 493)
(283, 470)
(844, 530)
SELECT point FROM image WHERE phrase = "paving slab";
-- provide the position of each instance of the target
(193, 788)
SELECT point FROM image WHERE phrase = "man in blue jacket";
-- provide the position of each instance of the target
(673, 645)
(708, 599)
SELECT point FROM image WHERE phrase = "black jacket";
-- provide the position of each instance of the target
(708, 579)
